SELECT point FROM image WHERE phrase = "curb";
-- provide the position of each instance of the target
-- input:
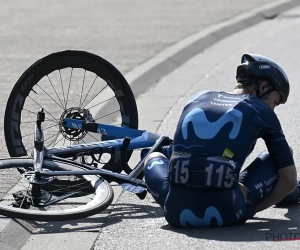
(150, 72)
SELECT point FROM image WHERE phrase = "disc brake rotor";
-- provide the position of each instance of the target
(76, 133)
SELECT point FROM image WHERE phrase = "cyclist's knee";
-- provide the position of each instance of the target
(153, 155)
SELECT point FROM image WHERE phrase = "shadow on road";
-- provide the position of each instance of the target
(257, 229)
(116, 212)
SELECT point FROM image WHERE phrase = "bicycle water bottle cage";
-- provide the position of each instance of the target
(96, 155)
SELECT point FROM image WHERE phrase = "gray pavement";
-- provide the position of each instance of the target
(126, 33)
(141, 223)
(126, 36)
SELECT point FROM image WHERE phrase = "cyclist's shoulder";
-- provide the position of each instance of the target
(261, 113)
(261, 108)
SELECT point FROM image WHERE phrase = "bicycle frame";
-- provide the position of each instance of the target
(139, 138)
(133, 138)
(119, 178)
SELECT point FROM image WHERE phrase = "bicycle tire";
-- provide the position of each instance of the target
(103, 194)
(57, 61)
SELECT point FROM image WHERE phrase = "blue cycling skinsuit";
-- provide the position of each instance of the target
(196, 185)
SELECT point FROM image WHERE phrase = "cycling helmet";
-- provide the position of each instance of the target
(255, 66)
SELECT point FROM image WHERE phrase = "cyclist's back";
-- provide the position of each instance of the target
(222, 124)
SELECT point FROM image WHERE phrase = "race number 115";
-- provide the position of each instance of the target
(220, 176)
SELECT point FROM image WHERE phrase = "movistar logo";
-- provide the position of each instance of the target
(160, 162)
(205, 129)
(187, 216)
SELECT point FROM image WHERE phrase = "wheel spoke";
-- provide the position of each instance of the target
(62, 88)
(101, 102)
(52, 136)
(69, 88)
(88, 91)
(49, 96)
(55, 89)
(82, 89)
(83, 141)
(42, 108)
(58, 140)
(97, 95)
(106, 115)
(43, 129)
(92, 136)
(67, 187)
(46, 119)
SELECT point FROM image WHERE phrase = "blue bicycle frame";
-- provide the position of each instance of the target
(138, 139)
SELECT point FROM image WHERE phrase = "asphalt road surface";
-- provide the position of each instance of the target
(128, 36)
(135, 224)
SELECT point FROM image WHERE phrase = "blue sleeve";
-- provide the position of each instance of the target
(272, 134)
(278, 148)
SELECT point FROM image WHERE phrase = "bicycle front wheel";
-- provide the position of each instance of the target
(64, 84)
(60, 197)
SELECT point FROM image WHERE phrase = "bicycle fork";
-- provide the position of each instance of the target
(38, 156)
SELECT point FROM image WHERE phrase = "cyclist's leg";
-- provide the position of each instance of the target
(189, 208)
(260, 177)
(211, 208)
(156, 172)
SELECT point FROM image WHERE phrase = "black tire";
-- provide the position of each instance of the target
(15, 114)
(103, 194)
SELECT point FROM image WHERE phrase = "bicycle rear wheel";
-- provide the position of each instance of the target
(65, 83)
(61, 197)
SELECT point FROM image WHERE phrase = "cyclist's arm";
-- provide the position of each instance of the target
(282, 159)
(287, 180)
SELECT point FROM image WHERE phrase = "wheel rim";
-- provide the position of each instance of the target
(82, 194)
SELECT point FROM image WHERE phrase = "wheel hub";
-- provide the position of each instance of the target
(72, 134)
(25, 199)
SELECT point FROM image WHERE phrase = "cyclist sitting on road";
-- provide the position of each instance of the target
(197, 180)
